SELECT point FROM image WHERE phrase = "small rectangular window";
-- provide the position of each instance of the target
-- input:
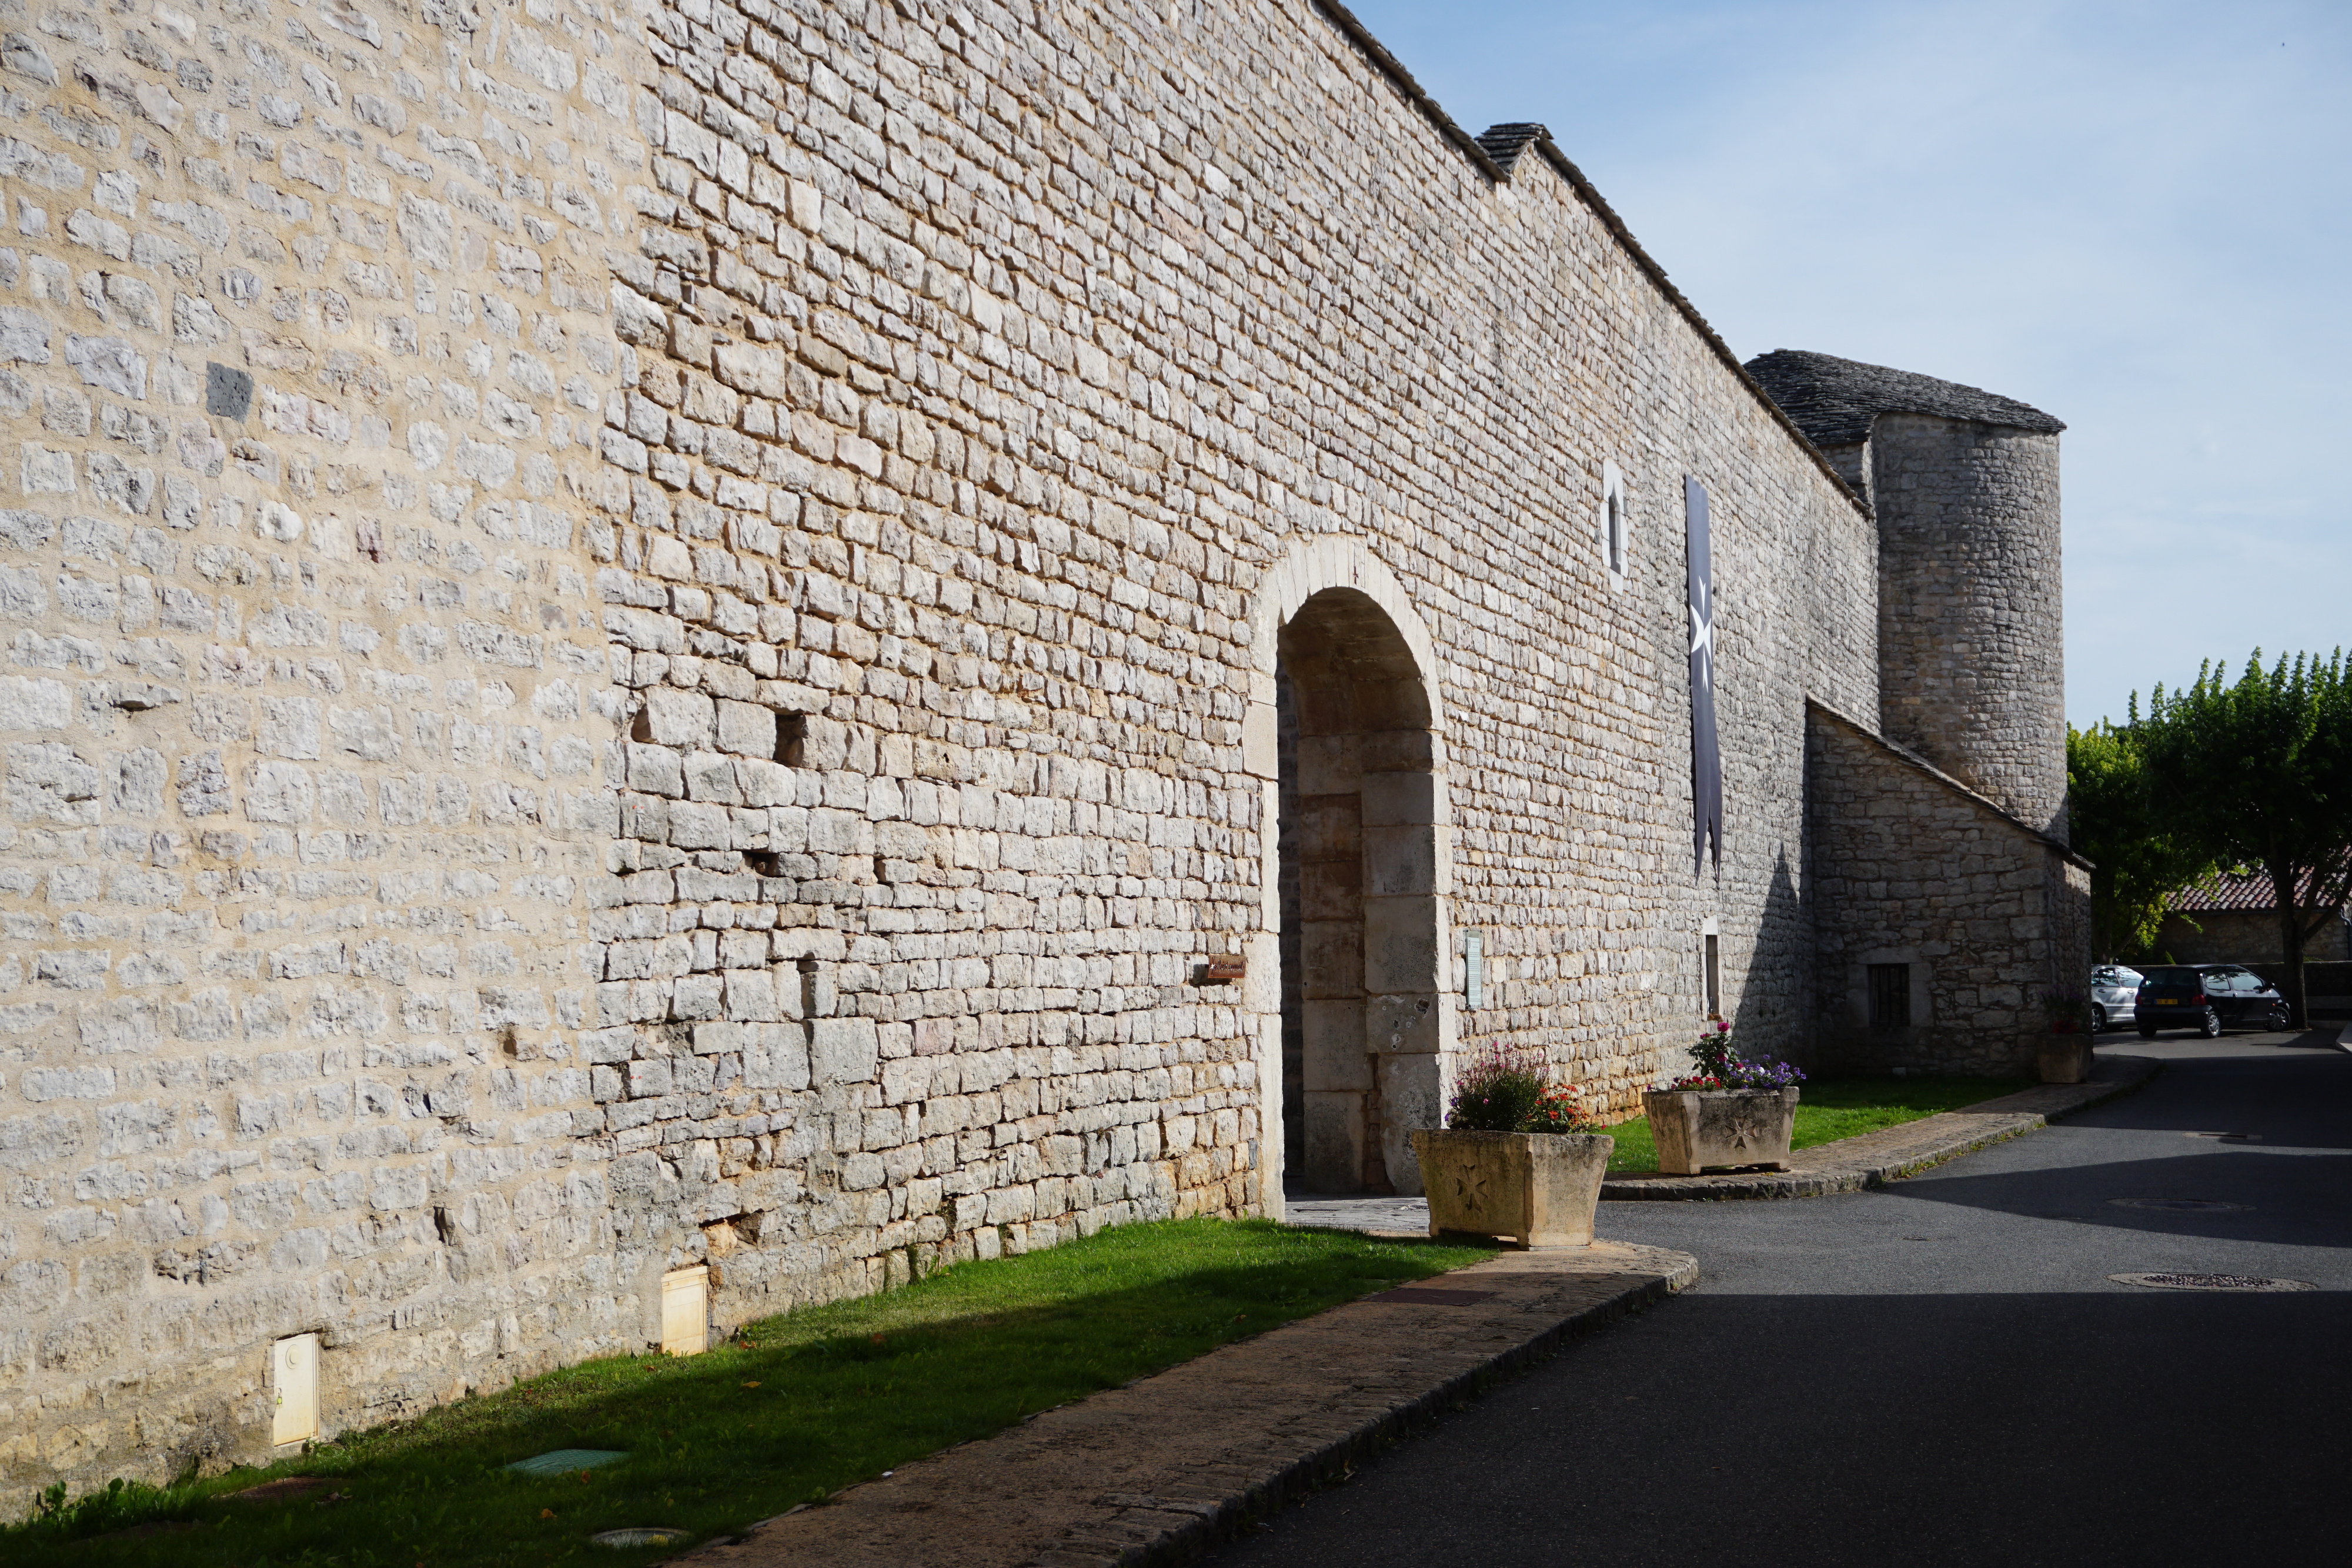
(1714, 976)
(1890, 995)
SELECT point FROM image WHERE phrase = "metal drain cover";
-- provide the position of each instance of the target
(563, 1461)
(640, 1535)
(2182, 1205)
(2212, 1282)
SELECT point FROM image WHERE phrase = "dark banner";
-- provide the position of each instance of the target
(1706, 764)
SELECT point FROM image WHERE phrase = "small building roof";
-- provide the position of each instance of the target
(2244, 892)
(1833, 401)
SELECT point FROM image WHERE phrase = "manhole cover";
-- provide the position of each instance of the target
(639, 1535)
(2212, 1282)
(1417, 1296)
(2182, 1205)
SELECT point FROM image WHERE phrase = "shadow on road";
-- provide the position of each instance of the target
(2276, 1197)
(2110, 1426)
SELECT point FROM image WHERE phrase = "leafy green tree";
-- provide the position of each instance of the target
(2258, 773)
(2140, 861)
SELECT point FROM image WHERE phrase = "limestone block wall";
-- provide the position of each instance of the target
(708, 700)
(1035, 339)
(1969, 608)
(304, 349)
(1908, 868)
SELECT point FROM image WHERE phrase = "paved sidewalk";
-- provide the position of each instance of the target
(1873, 1159)
(1168, 1466)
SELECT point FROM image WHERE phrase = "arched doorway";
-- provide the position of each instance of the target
(1362, 868)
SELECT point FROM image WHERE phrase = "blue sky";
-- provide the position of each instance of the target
(2135, 217)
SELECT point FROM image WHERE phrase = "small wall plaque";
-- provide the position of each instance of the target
(1217, 971)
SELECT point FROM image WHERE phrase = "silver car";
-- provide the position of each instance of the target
(2113, 989)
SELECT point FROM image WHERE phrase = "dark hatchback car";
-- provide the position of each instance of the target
(2207, 998)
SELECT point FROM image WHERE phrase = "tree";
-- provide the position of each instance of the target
(2140, 863)
(2258, 773)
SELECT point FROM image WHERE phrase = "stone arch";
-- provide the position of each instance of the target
(1348, 722)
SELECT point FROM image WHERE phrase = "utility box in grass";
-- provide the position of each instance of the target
(1697, 1128)
(1538, 1189)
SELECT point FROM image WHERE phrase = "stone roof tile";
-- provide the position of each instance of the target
(1505, 142)
(1833, 401)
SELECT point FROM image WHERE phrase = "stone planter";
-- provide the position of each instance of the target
(1697, 1128)
(1538, 1189)
(2065, 1058)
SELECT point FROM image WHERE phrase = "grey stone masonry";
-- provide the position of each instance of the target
(1981, 915)
(1965, 486)
(650, 639)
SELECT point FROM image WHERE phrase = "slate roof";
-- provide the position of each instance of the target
(1833, 401)
(2239, 893)
(1505, 142)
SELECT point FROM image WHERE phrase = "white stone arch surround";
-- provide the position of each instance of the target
(1409, 1035)
(1308, 567)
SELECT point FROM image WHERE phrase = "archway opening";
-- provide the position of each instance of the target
(1363, 920)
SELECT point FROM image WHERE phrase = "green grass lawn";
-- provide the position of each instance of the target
(1832, 1108)
(808, 1403)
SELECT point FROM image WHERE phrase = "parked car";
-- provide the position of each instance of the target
(2207, 998)
(2114, 988)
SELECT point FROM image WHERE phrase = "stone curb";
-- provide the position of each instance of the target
(1170, 1467)
(1873, 1159)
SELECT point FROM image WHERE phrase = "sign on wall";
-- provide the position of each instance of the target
(1706, 764)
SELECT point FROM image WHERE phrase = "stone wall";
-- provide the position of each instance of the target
(710, 699)
(1968, 606)
(304, 349)
(1912, 869)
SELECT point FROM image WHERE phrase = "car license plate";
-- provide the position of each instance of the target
(2168, 1001)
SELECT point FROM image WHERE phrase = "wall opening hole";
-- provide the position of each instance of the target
(764, 862)
(792, 739)
(881, 870)
(445, 1226)
(641, 727)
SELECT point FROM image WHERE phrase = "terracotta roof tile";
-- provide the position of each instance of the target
(2238, 891)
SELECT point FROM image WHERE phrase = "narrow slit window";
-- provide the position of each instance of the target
(1890, 995)
(1616, 522)
(1713, 975)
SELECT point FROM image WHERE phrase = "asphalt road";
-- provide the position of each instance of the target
(1941, 1372)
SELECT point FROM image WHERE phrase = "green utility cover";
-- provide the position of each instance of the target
(562, 1462)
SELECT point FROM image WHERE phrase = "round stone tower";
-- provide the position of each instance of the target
(1964, 484)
